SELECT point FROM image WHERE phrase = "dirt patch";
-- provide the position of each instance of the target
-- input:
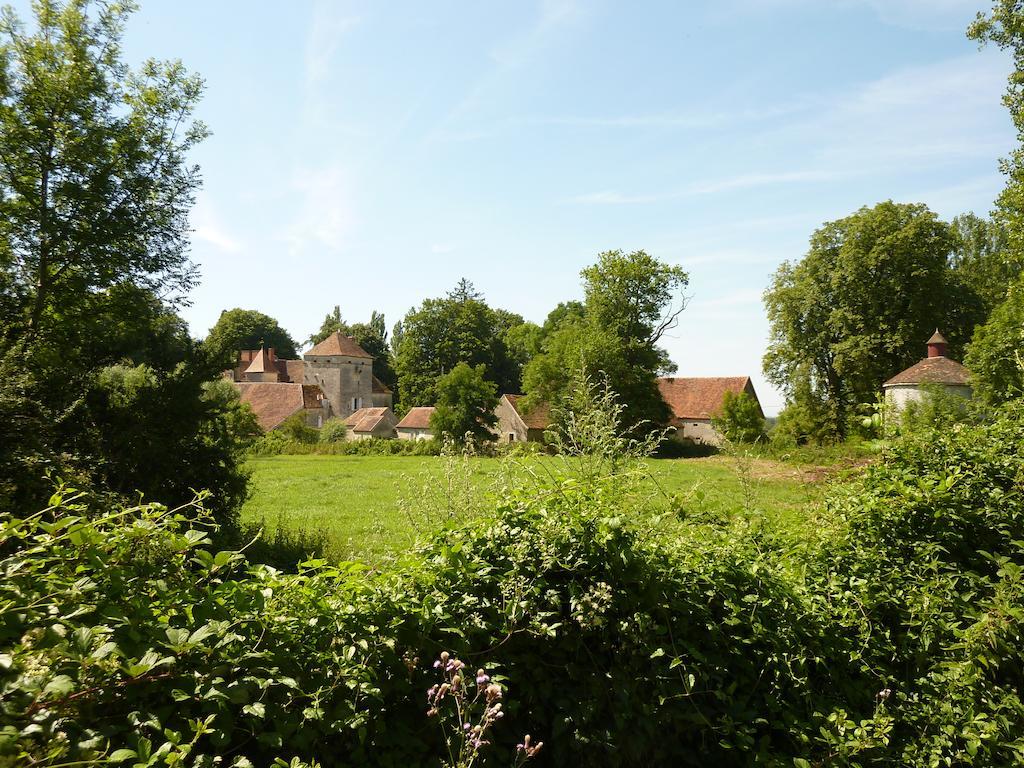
(770, 469)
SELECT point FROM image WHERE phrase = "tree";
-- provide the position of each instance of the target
(95, 188)
(1004, 26)
(996, 354)
(443, 332)
(238, 329)
(102, 385)
(981, 260)
(465, 404)
(857, 308)
(631, 301)
(740, 420)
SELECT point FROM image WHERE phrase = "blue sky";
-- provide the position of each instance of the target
(371, 154)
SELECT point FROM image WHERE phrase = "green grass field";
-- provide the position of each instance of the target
(372, 507)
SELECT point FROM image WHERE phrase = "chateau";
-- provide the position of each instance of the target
(332, 380)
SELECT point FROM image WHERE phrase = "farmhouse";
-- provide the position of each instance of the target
(516, 424)
(336, 375)
(367, 423)
(695, 401)
(416, 424)
(935, 370)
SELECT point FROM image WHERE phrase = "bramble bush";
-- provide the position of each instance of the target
(893, 638)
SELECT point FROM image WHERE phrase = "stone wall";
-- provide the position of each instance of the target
(510, 427)
(342, 379)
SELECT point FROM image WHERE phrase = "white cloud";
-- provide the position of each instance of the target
(708, 187)
(208, 227)
(325, 219)
(441, 248)
(326, 32)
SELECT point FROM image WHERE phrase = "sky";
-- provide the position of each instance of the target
(371, 154)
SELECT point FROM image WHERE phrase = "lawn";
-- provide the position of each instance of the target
(372, 507)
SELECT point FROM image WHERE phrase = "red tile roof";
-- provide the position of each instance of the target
(366, 419)
(417, 418)
(273, 402)
(701, 397)
(339, 344)
(933, 370)
(538, 417)
(379, 387)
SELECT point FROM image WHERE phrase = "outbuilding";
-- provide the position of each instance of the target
(936, 370)
(415, 425)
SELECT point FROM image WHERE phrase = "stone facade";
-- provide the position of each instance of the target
(516, 425)
(336, 373)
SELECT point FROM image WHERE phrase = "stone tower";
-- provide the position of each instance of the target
(344, 371)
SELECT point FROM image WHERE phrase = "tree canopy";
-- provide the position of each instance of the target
(443, 332)
(465, 404)
(631, 301)
(238, 329)
(95, 186)
(860, 304)
(100, 383)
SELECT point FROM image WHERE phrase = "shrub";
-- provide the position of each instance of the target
(891, 640)
(298, 430)
(333, 431)
(740, 420)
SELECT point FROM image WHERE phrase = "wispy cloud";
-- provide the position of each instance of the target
(707, 187)
(208, 227)
(912, 14)
(326, 212)
(918, 118)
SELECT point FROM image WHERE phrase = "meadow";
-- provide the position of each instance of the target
(372, 508)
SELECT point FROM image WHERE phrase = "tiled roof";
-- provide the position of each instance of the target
(933, 370)
(701, 397)
(379, 387)
(273, 402)
(538, 417)
(339, 344)
(366, 419)
(937, 338)
(417, 418)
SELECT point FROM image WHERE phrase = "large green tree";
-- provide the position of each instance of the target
(982, 261)
(95, 185)
(859, 306)
(1003, 25)
(465, 404)
(238, 329)
(995, 356)
(443, 332)
(100, 383)
(631, 300)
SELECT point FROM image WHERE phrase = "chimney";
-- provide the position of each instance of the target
(937, 345)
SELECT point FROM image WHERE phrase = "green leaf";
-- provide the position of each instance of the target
(120, 755)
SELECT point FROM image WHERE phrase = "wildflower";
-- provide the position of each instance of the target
(493, 692)
(884, 694)
(527, 749)
(482, 677)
